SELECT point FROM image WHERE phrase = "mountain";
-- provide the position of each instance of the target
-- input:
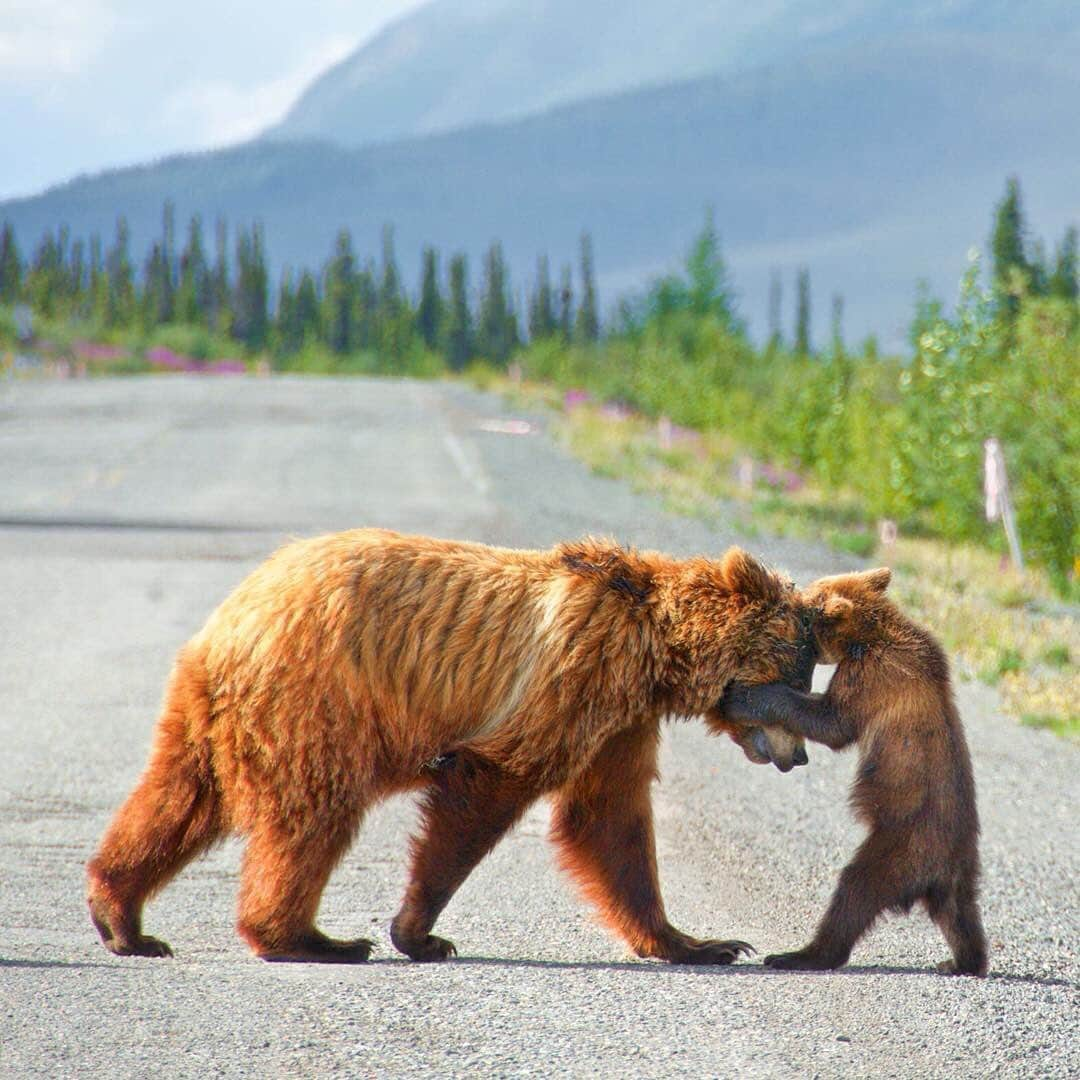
(454, 63)
(874, 165)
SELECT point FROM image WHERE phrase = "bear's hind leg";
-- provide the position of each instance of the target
(281, 884)
(465, 812)
(171, 817)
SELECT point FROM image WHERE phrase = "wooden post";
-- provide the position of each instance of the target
(998, 500)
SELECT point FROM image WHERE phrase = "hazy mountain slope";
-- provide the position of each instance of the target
(873, 166)
(459, 62)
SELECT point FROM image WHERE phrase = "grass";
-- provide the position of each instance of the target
(1003, 627)
(1055, 724)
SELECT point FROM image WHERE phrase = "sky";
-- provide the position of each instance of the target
(90, 84)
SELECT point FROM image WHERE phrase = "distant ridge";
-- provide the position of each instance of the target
(874, 166)
(455, 63)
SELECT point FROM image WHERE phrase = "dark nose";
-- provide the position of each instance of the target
(799, 757)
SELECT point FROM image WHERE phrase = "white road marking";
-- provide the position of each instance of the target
(468, 470)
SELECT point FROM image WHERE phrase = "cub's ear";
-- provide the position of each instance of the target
(876, 580)
(837, 608)
(742, 574)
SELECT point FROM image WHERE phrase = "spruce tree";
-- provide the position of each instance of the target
(1038, 270)
(367, 307)
(307, 309)
(260, 280)
(776, 304)
(120, 293)
(837, 325)
(76, 278)
(587, 325)
(156, 299)
(44, 284)
(287, 330)
(390, 285)
(63, 278)
(429, 315)
(1007, 247)
(194, 297)
(497, 324)
(458, 337)
(339, 296)
(250, 317)
(168, 244)
(802, 313)
(1065, 280)
(220, 293)
(99, 284)
(566, 304)
(710, 291)
(395, 323)
(11, 266)
(542, 322)
(164, 281)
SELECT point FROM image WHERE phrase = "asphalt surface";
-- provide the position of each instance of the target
(128, 509)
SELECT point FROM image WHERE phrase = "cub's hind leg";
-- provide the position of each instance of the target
(956, 913)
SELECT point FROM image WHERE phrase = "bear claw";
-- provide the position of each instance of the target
(323, 950)
(432, 950)
(713, 952)
(140, 946)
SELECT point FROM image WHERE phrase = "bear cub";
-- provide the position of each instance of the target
(914, 788)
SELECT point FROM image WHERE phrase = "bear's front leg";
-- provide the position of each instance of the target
(465, 812)
(603, 827)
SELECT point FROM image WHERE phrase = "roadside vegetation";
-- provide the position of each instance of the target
(1008, 629)
(840, 442)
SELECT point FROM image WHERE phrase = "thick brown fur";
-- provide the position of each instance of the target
(914, 790)
(356, 665)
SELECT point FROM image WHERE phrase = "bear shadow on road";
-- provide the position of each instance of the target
(637, 966)
(715, 970)
(75, 964)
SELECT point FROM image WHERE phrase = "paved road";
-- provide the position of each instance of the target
(129, 508)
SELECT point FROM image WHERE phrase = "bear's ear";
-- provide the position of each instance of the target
(876, 580)
(837, 608)
(742, 574)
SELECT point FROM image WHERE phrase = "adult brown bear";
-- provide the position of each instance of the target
(355, 665)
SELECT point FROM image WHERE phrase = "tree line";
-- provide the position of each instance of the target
(903, 434)
(350, 304)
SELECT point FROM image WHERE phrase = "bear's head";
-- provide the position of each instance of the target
(735, 619)
(848, 612)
